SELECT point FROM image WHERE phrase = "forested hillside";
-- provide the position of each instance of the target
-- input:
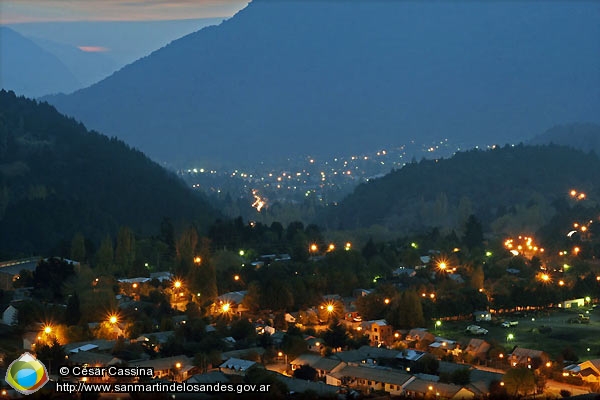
(509, 188)
(57, 179)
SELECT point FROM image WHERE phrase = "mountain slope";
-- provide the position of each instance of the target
(334, 78)
(584, 137)
(57, 178)
(509, 188)
(30, 70)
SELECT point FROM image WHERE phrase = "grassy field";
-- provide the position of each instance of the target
(584, 339)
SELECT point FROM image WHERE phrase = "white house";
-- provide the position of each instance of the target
(10, 316)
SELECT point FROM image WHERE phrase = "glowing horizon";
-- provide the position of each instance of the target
(37, 11)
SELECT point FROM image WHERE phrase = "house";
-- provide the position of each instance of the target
(208, 378)
(402, 271)
(366, 355)
(29, 340)
(252, 353)
(477, 349)
(379, 332)
(98, 345)
(408, 358)
(420, 388)
(589, 371)
(321, 389)
(10, 316)
(356, 293)
(444, 347)
(10, 271)
(529, 358)
(161, 276)
(314, 344)
(482, 380)
(482, 316)
(155, 339)
(367, 379)
(176, 367)
(230, 303)
(419, 335)
(573, 303)
(321, 364)
(236, 366)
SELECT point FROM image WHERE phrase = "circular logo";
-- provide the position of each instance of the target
(27, 374)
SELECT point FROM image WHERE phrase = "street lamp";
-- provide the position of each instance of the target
(438, 323)
(177, 369)
(510, 337)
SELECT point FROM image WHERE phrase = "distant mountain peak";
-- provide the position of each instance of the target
(329, 77)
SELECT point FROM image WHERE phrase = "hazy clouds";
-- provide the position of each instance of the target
(22, 11)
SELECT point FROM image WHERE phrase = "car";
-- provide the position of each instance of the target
(508, 324)
(580, 319)
(476, 330)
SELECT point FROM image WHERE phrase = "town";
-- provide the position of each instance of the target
(429, 316)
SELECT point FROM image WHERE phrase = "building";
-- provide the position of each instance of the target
(443, 347)
(176, 367)
(10, 270)
(419, 335)
(573, 303)
(236, 366)
(482, 316)
(314, 344)
(368, 379)
(379, 332)
(420, 388)
(477, 349)
(321, 364)
(589, 371)
(230, 303)
(10, 316)
(529, 358)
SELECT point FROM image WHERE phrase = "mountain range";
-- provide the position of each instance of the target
(30, 70)
(327, 78)
(57, 179)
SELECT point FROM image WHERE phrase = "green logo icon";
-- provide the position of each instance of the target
(26, 374)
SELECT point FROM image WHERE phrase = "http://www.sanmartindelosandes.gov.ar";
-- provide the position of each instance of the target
(27, 374)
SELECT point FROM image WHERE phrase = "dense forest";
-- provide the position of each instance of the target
(57, 179)
(510, 188)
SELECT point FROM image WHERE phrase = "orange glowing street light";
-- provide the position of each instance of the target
(330, 308)
(313, 248)
(177, 284)
(113, 319)
(48, 329)
(197, 260)
(331, 247)
(225, 307)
